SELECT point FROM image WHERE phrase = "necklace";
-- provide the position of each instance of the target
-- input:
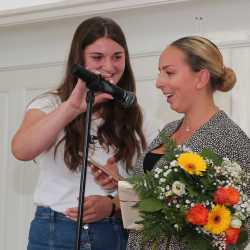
(187, 129)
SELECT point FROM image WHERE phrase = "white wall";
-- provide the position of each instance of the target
(32, 57)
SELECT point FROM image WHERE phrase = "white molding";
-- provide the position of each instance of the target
(73, 8)
(230, 39)
(41, 65)
(4, 163)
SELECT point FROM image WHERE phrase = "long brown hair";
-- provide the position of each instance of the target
(122, 127)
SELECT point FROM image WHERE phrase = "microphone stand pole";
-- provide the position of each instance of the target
(90, 98)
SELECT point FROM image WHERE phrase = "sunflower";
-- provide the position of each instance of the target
(192, 163)
(219, 219)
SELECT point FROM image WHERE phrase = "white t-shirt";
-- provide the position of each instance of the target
(58, 187)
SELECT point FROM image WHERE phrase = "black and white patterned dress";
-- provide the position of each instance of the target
(221, 135)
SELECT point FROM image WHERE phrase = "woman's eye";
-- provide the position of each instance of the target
(170, 73)
(117, 57)
(96, 58)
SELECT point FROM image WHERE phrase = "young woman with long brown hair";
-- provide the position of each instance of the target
(52, 134)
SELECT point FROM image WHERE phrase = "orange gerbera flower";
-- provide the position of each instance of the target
(233, 196)
(227, 196)
(232, 235)
(197, 215)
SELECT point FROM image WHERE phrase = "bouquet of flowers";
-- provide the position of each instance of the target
(197, 198)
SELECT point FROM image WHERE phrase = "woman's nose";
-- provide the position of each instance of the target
(160, 81)
(108, 65)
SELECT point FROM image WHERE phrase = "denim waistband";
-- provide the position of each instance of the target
(51, 230)
(47, 212)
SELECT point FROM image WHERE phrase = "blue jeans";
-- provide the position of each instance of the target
(51, 230)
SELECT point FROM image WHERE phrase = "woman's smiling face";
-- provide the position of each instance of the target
(107, 57)
(176, 80)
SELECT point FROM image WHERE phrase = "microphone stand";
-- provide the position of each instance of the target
(90, 98)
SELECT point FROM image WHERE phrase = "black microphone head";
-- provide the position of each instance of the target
(128, 99)
(84, 74)
(75, 69)
(97, 83)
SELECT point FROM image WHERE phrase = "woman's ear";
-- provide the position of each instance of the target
(203, 78)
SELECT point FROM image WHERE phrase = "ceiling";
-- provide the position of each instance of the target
(17, 4)
(16, 12)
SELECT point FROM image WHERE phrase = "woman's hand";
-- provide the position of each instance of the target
(103, 179)
(96, 207)
(77, 99)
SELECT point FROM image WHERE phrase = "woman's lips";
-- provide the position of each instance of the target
(169, 97)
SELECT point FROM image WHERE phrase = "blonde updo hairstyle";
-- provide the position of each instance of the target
(201, 54)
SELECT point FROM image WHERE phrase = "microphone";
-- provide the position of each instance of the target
(97, 83)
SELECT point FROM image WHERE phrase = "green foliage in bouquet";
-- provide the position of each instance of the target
(195, 198)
